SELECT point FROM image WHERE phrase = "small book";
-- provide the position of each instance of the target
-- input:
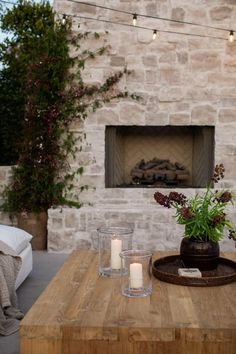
(190, 272)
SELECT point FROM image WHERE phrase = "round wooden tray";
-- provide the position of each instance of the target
(166, 269)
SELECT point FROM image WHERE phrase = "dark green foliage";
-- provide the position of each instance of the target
(24, 23)
(11, 115)
(48, 96)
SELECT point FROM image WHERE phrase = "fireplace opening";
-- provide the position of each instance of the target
(158, 156)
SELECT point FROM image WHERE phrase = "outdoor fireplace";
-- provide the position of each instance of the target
(158, 156)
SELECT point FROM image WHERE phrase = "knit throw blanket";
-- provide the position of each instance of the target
(10, 265)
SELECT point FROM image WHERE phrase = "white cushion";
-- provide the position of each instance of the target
(16, 238)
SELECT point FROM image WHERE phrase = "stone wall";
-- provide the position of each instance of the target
(182, 80)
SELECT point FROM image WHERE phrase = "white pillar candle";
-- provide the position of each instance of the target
(116, 248)
(136, 275)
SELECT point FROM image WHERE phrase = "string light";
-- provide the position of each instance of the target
(150, 16)
(154, 35)
(63, 21)
(134, 20)
(145, 28)
(231, 36)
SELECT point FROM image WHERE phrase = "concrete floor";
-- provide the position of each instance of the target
(45, 265)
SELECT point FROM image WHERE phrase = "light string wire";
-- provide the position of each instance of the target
(153, 17)
(7, 2)
(145, 28)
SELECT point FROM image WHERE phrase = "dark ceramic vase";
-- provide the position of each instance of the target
(203, 255)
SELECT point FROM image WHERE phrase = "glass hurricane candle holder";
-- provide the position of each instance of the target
(112, 241)
(136, 273)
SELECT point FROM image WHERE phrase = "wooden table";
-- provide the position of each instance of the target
(82, 313)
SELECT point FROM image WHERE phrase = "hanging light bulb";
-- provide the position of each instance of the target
(63, 21)
(231, 36)
(134, 19)
(154, 35)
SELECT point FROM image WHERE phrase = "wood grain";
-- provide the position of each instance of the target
(82, 313)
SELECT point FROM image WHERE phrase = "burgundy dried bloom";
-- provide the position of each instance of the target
(162, 199)
(218, 173)
(217, 219)
(179, 198)
(186, 213)
(225, 197)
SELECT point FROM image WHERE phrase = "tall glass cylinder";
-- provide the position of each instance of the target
(112, 241)
(136, 280)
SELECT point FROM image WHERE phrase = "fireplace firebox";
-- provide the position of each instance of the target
(158, 156)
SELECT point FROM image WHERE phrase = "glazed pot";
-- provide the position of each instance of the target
(199, 254)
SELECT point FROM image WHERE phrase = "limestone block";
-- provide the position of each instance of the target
(228, 92)
(136, 76)
(63, 7)
(84, 158)
(169, 57)
(182, 57)
(60, 241)
(144, 37)
(133, 61)
(107, 117)
(205, 61)
(230, 168)
(3, 175)
(231, 48)
(117, 61)
(166, 47)
(219, 13)
(149, 60)
(225, 150)
(151, 9)
(222, 79)
(158, 118)
(71, 219)
(96, 169)
(93, 181)
(131, 114)
(84, 9)
(180, 119)
(204, 114)
(198, 13)
(142, 225)
(151, 76)
(113, 193)
(170, 94)
(181, 106)
(229, 64)
(227, 116)
(178, 14)
(161, 216)
(170, 76)
(93, 76)
(57, 223)
(224, 134)
(199, 94)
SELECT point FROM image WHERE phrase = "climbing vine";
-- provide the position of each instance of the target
(51, 94)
